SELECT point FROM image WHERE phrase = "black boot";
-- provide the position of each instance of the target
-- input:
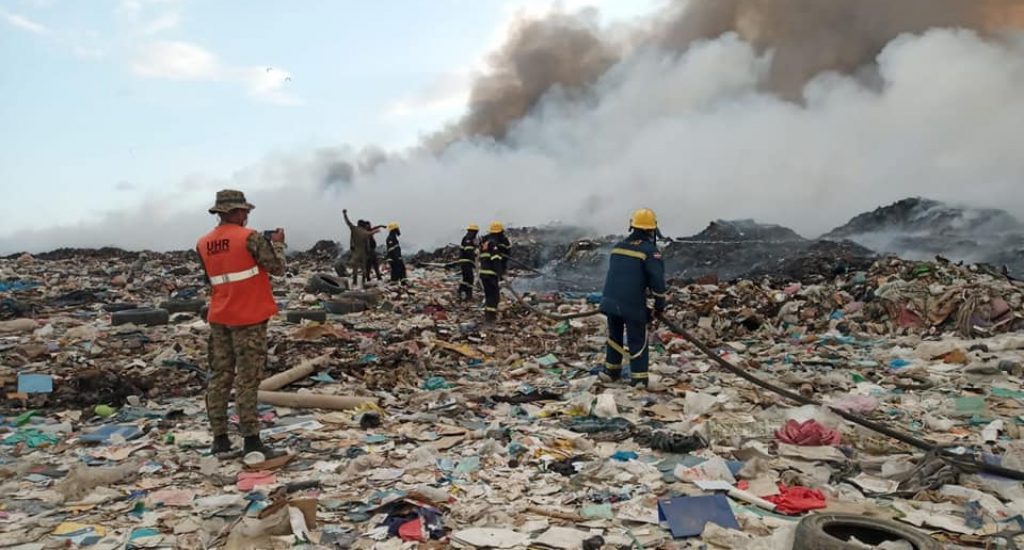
(221, 445)
(253, 444)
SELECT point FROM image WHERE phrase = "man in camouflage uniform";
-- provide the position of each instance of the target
(238, 352)
(359, 243)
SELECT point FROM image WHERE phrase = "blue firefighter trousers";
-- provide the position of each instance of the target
(616, 353)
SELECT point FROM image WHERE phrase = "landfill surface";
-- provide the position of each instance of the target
(503, 436)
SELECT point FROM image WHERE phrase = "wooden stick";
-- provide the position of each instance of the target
(555, 514)
(299, 372)
(312, 400)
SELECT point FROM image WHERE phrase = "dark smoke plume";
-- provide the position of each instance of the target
(561, 50)
(697, 111)
(807, 38)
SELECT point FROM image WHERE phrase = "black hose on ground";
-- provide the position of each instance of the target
(966, 462)
(542, 313)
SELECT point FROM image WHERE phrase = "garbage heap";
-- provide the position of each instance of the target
(434, 430)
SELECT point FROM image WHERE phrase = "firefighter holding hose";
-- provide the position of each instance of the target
(635, 272)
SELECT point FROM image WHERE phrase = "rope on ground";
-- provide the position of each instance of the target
(542, 313)
(966, 462)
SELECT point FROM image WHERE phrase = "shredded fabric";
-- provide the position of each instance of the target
(796, 500)
(809, 433)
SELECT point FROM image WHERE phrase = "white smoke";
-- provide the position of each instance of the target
(692, 135)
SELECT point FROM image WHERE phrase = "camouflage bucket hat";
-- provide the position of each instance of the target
(228, 200)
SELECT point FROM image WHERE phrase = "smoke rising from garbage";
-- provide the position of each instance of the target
(806, 37)
(691, 112)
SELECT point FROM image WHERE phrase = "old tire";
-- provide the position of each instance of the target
(179, 306)
(148, 317)
(371, 298)
(310, 315)
(342, 306)
(834, 531)
(326, 283)
(111, 308)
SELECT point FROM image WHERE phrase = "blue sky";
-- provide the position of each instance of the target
(106, 101)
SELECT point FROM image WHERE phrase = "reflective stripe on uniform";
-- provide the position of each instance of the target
(638, 375)
(488, 272)
(631, 253)
(616, 346)
(465, 261)
(641, 352)
(611, 366)
(490, 309)
(659, 294)
(465, 284)
(469, 247)
(392, 248)
(235, 277)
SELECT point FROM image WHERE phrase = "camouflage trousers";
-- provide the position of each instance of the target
(237, 356)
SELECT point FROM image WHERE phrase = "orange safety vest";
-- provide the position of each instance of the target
(241, 293)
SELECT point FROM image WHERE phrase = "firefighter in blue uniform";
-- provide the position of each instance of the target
(394, 254)
(495, 249)
(634, 270)
(467, 261)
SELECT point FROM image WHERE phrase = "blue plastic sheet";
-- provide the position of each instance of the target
(104, 433)
(17, 285)
(686, 516)
(35, 383)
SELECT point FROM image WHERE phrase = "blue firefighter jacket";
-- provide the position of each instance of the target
(634, 268)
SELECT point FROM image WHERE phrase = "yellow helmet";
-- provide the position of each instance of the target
(392, 226)
(473, 227)
(497, 227)
(644, 219)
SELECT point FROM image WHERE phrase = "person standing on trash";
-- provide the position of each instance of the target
(238, 262)
(394, 254)
(467, 261)
(494, 251)
(358, 243)
(635, 269)
(372, 259)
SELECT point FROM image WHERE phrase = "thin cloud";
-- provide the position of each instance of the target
(134, 6)
(450, 91)
(176, 61)
(24, 23)
(269, 85)
(81, 44)
(88, 53)
(160, 23)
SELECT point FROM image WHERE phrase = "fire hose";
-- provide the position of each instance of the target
(966, 463)
(542, 313)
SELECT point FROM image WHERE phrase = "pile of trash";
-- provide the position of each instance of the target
(725, 250)
(411, 423)
(920, 228)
